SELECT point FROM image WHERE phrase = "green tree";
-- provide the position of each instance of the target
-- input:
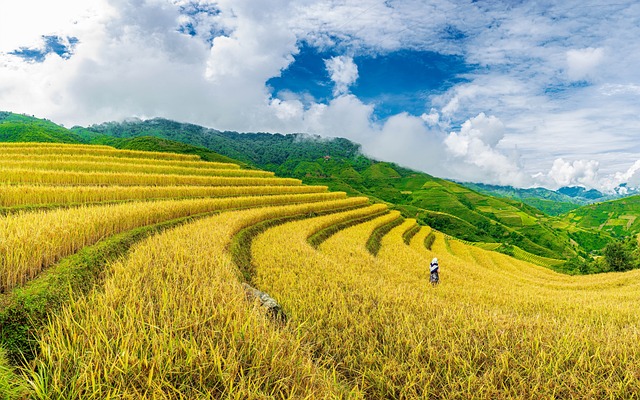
(618, 256)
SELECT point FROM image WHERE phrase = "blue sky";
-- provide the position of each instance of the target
(543, 93)
(62, 47)
(394, 82)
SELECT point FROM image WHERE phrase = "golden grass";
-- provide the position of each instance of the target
(30, 242)
(28, 157)
(173, 322)
(417, 242)
(11, 196)
(495, 327)
(93, 150)
(26, 146)
(111, 166)
(45, 177)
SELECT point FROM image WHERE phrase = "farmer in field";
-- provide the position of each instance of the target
(434, 269)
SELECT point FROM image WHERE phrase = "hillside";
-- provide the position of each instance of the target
(553, 202)
(140, 274)
(618, 218)
(548, 201)
(339, 164)
(23, 128)
(259, 149)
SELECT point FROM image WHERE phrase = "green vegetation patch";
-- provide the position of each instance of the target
(321, 236)
(11, 387)
(410, 233)
(550, 207)
(350, 174)
(488, 246)
(428, 241)
(309, 169)
(375, 240)
(380, 171)
(616, 217)
(590, 240)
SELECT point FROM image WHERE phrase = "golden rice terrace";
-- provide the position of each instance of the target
(122, 272)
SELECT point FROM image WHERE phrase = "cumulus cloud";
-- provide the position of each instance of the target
(630, 177)
(256, 50)
(432, 119)
(343, 72)
(582, 63)
(344, 116)
(588, 173)
(474, 153)
(407, 140)
(578, 172)
(24, 23)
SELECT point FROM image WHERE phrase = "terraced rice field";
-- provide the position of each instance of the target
(127, 284)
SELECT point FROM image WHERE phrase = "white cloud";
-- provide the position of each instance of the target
(408, 141)
(432, 119)
(578, 172)
(486, 92)
(587, 173)
(631, 177)
(612, 89)
(287, 109)
(343, 72)
(582, 63)
(344, 116)
(256, 50)
(474, 153)
(402, 138)
(22, 23)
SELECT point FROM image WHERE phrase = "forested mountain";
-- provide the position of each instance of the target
(25, 128)
(258, 149)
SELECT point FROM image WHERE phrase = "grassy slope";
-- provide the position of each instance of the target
(456, 210)
(23, 128)
(616, 217)
(444, 205)
(548, 201)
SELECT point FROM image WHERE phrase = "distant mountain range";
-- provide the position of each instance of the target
(552, 202)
